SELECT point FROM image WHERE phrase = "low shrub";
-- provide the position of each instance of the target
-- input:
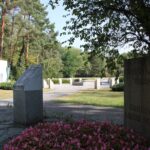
(118, 87)
(6, 85)
(76, 80)
(79, 135)
(121, 79)
(65, 81)
(55, 81)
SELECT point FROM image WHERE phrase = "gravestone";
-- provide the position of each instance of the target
(137, 95)
(28, 97)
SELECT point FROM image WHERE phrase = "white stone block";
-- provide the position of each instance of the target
(4, 71)
(28, 97)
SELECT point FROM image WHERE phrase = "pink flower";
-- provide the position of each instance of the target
(79, 135)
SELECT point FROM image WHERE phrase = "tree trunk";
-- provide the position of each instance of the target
(27, 50)
(2, 32)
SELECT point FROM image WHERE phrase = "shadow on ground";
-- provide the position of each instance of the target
(53, 110)
(57, 112)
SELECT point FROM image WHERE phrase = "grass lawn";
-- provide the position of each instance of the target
(4, 94)
(96, 98)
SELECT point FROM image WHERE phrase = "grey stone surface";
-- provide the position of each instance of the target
(28, 97)
(137, 95)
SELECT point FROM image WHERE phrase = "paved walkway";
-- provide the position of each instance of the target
(55, 111)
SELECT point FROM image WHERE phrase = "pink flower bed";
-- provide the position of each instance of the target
(80, 135)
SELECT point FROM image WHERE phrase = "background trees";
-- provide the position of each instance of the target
(28, 37)
(110, 23)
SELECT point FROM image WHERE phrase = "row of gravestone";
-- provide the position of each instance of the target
(28, 98)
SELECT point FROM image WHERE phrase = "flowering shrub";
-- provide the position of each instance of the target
(80, 135)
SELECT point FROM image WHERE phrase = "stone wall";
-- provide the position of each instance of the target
(137, 95)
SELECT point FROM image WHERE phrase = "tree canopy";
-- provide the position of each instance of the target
(109, 23)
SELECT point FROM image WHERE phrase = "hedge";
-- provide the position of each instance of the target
(7, 85)
(65, 81)
(118, 87)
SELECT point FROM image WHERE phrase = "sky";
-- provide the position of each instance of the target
(56, 16)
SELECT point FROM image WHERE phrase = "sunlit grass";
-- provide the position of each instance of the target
(6, 94)
(96, 98)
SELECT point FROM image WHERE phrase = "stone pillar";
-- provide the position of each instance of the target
(50, 84)
(45, 83)
(112, 81)
(117, 81)
(28, 97)
(80, 79)
(97, 83)
(71, 81)
(60, 81)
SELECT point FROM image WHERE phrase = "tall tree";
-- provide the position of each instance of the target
(5, 8)
(30, 38)
(109, 22)
(72, 61)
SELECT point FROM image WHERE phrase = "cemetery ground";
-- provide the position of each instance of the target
(5, 94)
(105, 98)
(54, 111)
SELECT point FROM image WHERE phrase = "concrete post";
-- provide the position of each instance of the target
(71, 81)
(112, 81)
(80, 79)
(97, 83)
(50, 84)
(60, 81)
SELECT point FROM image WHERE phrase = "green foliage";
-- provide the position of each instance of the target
(55, 81)
(121, 79)
(72, 61)
(7, 85)
(97, 66)
(85, 70)
(30, 38)
(109, 23)
(65, 81)
(118, 87)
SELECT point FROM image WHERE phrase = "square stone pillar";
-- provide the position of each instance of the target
(97, 83)
(50, 84)
(60, 81)
(28, 97)
(112, 81)
(71, 81)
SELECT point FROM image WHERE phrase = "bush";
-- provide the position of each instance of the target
(79, 135)
(76, 80)
(7, 85)
(65, 81)
(118, 87)
(55, 81)
(121, 79)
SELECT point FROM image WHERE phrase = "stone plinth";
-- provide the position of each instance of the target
(137, 95)
(28, 97)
